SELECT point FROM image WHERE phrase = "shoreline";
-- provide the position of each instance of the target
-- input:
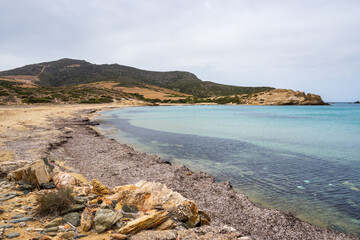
(75, 141)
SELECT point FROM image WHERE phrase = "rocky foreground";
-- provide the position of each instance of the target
(135, 188)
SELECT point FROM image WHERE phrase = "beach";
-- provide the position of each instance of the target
(65, 134)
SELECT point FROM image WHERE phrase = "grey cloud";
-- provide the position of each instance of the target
(306, 45)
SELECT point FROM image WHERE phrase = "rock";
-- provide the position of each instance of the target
(52, 229)
(86, 220)
(24, 219)
(48, 185)
(73, 218)
(149, 195)
(7, 198)
(22, 224)
(105, 218)
(99, 188)
(167, 225)
(17, 216)
(118, 237)
(8, 166)
(73, 208)
(80, 200)
(54, 223)
(36, 173)
(145, 222)
(63, 179)
(245, 238)
(128, 208)
(156, 235)
(13, 235)
(68, 235)
(6, 226)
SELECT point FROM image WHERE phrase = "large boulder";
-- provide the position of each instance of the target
(35, 173)
(150, 195)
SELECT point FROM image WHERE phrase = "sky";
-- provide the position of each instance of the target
(306, 45)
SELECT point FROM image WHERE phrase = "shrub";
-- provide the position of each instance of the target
(54, 202)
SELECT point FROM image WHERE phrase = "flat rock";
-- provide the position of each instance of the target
(117, 236)
(52, 229)
(72, 218)
(24, 219)
(73, 208)
(105, 218)
(13, 235)
(155, 235)
(54, 223)
(145, 222)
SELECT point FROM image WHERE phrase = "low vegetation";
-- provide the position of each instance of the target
(53, 202)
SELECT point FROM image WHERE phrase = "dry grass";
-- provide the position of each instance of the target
(52, 203)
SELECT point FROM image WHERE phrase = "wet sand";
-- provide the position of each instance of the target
(64, 134)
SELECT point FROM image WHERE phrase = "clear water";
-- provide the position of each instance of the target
(300, 159)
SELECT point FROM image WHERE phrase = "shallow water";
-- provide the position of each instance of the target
(300, 159)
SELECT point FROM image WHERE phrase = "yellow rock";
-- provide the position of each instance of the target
(99, 188)
(150, 195)
(167, 225)
(37, 172)
(118, 206)
(124, 188)
(86, 220)
(144, 223)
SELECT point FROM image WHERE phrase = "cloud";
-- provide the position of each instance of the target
(306, 45)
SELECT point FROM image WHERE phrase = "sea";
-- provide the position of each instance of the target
(299, 159)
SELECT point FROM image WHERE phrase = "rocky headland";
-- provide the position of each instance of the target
(132, 195)
(284, 97)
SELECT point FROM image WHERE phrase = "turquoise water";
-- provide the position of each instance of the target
(300, 159)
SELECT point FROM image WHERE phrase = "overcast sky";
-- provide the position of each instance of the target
(307, 45)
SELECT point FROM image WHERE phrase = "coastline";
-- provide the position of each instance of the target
(69, 136)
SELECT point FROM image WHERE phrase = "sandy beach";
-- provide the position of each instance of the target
(64, 134)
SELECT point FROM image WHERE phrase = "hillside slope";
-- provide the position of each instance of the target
(65, 72)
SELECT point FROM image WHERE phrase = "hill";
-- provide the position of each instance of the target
(70, 72)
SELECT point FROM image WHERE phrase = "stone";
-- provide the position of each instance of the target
(36, 173)
(150, 195)
(155, 235)
(86, 220)
(13, 235)
(6, 226)
(73, 218)
(17, 216)
(167, 225)
(7, 198)
(145, 222)
(63, 179)
(117, 236)
(99, 188)
(52, 229)
(48, 185)
(80, 200)
(22, 224)
(105, 219)
(24, 219)
(54, 223)
(73, 208)
(128, 208)
(8, 166)
(68, 235)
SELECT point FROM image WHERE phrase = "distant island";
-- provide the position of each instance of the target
(77, 81)
(357, 102)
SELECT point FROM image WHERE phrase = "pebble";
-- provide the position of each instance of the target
(13, 235)
(6, 226)
(7, 198)
(22, 225)
(52, 229)
(130, 209)
(24, 219)
(17, 216)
